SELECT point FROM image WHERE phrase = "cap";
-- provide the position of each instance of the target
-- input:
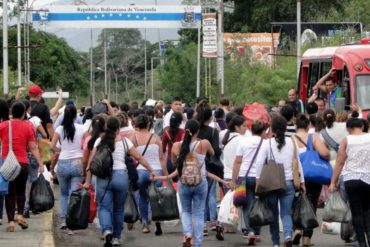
(34, 89)
(70, 102)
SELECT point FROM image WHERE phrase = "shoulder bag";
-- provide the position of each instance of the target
(272, 178)
(240, 195)
(296, 172)
(11, 167)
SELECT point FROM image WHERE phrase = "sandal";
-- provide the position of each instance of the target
(10, 228)
(23, 224)
(146, 229)
(187, 242)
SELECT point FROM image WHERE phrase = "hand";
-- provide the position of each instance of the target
(355, 107)
(60, 93)
(86, 185)
(41, 168)
(231, 185)
(332, 188)
(303, 188)
(20, 89)
(105, 101)
(227, 184)
(152, 173)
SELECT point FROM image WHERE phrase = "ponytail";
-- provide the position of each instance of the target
(278, 127)
(70, 113)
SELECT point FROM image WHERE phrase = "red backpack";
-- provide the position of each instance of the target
(254, 112)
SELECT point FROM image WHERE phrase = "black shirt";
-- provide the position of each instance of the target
(210, 134)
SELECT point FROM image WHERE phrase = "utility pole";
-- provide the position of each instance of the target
(105, 66)
(92, 100)
(220, 53)
(298, 36)
(146, 76)
(19, 49)
(5, 49)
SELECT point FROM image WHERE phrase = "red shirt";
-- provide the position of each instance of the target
(167, 142)
(22, 133)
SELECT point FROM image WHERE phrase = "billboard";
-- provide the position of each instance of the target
(209, 26)
(118, 16)
(261, 45)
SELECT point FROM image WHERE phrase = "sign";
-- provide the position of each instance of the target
(209, 24)
(55, 95)
(261, 45)
(144, 16)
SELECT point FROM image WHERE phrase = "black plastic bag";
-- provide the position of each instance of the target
(163, 202)
(42, 196)
(303, 215)
(346, 228)
(131, 211)
(78, 209)
(260, 214)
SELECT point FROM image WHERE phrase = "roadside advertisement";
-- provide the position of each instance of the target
(209, 25)
(262, 46)
(132, 16)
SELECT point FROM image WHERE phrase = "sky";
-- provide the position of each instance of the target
(80, 40)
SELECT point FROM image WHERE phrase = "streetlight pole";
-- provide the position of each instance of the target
(92, 100)
(19, 50)
(146, 76)
(298, 36)
(5, 49)
(220, 53)
(105, 66)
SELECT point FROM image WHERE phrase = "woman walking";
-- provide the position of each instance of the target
(68, 136)
(353, 163)
(23, 136)
(281, 149)
(112, 192)
(302, 140)
(150, 146)
(244, 162)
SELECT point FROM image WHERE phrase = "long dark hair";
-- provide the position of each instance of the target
(329, 118)
(191, 128)
(204, 112)
(4, 111)
(110, 133)
(278, 127)
(234, 122)
(70, 113)
(175, 121)
(98, 127)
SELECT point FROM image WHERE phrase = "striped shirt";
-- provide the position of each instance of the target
(290, 130)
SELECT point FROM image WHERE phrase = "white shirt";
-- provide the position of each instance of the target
(338, 132)
(247, 148)
(87, 126)
(36, 121)
(229, 153)
(119, 153)
(283, 156)
(71, 150)
(167, 117)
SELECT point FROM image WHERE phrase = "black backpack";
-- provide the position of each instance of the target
(102, 163)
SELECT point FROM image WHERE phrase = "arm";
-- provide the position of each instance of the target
(322, 80)
(88, 173)
(161, 157)
(217, 179)
(35, 152)
(54, 141)
(209, 147)
(42, 131)
(19, 93)
(175, 152)
(171, 176)
(341, 158)
(236, 168)
(110, 109)
(58, 104)
(321, 148)
(50, 129)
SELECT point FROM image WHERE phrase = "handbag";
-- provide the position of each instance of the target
(133, 175)
(163, 202)
(315, 169)
(131, 211)
(240, 195)
(11, 167)
(303, 215)
(296, 171)
(272, 178)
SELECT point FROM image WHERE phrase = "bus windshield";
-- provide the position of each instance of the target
(362, 91)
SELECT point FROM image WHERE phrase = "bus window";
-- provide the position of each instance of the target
(325, 67)
(345, 86)
(313, 77)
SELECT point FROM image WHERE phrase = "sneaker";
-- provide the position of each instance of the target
(108, 239)
(220, 233)
(213, 226)
(251, 238)
(115, 242)
(158, 230)
(205, 231)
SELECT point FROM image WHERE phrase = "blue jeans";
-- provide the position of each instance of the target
(69, 173)
(211, 201)
(32, 177)
(193, 201)
(286, 203)
(251, 186)
(111, 208)
(143, 183)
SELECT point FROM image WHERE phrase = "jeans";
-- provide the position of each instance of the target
(17, 193)
(143, 183)
(313, 191)
(32, 177)
(342, 189)
(359, 201)
(69, 173)
(211, 202)
(193, 201)
(251, 186)
(286, 203)
(111, 208)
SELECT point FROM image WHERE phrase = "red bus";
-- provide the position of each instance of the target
(352, 66)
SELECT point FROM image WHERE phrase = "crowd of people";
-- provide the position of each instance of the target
(161, 138)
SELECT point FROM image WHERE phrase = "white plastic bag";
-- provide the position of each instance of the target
(229, 215)
(330, 228)
(335, 208)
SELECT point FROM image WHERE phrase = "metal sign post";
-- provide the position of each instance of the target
(5, 49)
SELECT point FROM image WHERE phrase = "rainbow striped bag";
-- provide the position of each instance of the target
(240, 195)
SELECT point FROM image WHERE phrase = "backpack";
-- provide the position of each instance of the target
(102, 163)
(191, 171)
